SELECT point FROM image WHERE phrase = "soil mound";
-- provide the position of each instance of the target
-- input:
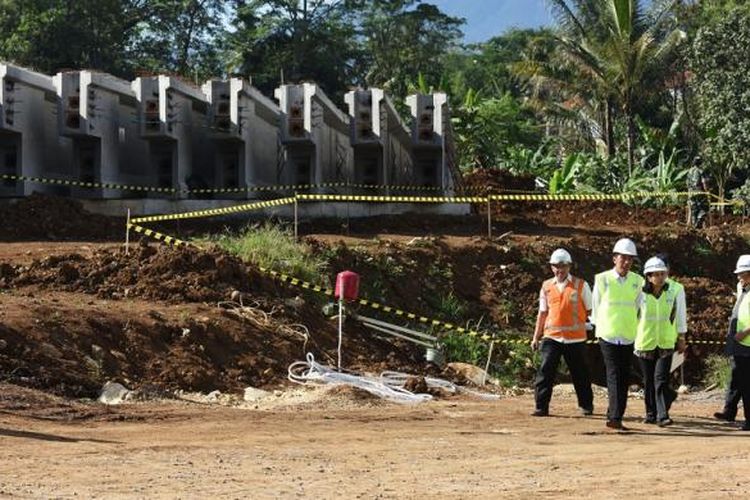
(40, 217)
(150, 272)
(495, 180)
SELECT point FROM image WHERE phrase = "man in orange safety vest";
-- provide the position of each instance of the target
(564, 305)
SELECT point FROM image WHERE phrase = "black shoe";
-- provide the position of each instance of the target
(649, 420)
(616, 425)
(665, 422)
(586, 411)
(720, 415)
(671, 397)
(540, 413)
(745, 426)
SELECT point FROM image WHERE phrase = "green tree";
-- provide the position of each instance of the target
(182, 37)
(50, 35)
(490, 67)
(721, 65)
(296, 40)
(621, 51)
(486, 128)
(404, 38)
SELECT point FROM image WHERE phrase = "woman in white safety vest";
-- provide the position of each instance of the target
(662, 325)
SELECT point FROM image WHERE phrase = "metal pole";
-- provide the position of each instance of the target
(487, 366)
(296, 219)
(341, 323)
(744, 212)
(489, 217)
(127, 234)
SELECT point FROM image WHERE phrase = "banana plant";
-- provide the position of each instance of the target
(563, 180)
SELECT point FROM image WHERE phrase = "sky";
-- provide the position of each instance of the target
(488, 18)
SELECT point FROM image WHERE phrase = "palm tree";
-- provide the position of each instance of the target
(620, 50)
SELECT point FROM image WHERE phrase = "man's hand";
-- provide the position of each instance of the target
(681, 345)
(534, 343)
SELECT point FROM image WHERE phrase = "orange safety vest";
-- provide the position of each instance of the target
(566, 312)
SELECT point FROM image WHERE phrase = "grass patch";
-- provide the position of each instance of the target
(718, 371)
(275, 248)
(448, 307)
(703, 249)
(465, 349)
(513, 364)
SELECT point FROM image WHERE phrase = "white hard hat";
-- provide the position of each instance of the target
(654, 265)
(743, 264)
(625, 246)
(560, 256)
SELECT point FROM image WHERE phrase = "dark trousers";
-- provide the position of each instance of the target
(732, 398)
(743, 382)
(551, 352)
(657, 394)
(617, 360)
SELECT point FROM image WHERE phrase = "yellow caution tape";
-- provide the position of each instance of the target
(397, 187)
(213, 212)
(275, 187)
(164, 238)
(394, 311)
(89, 185)
(523, 341)
(291, 280)
(591, 197)
(707, 342)
(285, 278)
(389, 199)
(507, 194)
(247, 189)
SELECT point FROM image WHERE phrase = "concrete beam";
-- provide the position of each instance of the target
(430, 115)
(30, 144)
(316, 135)
(380, 139)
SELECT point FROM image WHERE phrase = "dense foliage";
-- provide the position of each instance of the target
(617, 95)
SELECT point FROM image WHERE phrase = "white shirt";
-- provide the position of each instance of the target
(740, 295)
(680, 316)
(597, 297)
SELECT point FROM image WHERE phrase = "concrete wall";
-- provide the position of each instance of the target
(244, 130)
(30, 144)
(380, 139)
(262, 119)
(98, 112)
(174, 120)
(162, 132)
(430, 115)
(316, 137)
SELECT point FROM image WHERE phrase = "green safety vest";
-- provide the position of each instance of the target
(655, 325)
(743, 318)
(677, 288)
(616, 312)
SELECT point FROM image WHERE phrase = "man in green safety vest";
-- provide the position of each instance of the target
(616, 295)
(738, 339)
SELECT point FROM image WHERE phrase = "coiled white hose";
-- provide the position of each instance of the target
(310, 371)
(390, 384)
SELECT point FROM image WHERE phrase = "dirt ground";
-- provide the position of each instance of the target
(76, 312)
(341, 448)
